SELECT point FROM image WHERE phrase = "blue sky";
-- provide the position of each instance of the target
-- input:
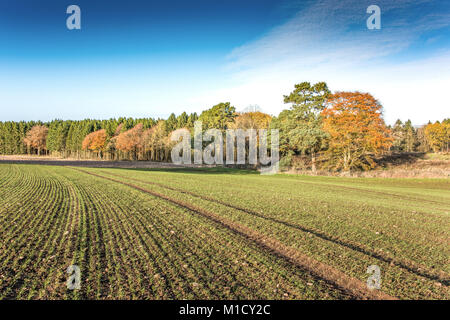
(151, 58)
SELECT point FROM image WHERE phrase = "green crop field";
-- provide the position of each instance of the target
(219, 233)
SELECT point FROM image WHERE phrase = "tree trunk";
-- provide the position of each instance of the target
(313, 162)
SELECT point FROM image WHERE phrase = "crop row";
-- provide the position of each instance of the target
(128, 244)
(401, 261)
(30, 229)
(192, 260)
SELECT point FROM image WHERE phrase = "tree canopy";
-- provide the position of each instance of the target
(356, 128)
(344, 131)
(219, 116)
(37, 138)
(300, 127)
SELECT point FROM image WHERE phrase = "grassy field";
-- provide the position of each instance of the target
(219, 233)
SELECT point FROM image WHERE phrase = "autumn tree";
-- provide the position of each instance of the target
(96, 142)
(130, 141)
(251, 120)
(300, 127)
(357, 130)
(156, 142)
(37, 138)
(437, 135)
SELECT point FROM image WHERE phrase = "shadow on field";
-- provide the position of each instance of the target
(398, 159)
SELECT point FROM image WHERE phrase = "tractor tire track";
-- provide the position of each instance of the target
(355, 287)
(408, 266)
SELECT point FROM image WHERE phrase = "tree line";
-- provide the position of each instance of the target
(341, 130)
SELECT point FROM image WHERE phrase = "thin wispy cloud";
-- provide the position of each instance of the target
(329, 23)
(329, 41)
(157, 57)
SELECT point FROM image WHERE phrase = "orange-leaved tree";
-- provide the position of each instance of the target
(96, 141)
(37, 138)
(357, 130)
(131, 141)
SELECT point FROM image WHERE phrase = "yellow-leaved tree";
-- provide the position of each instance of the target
(438, 135)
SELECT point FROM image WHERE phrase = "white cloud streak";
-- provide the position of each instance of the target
(328, 41)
